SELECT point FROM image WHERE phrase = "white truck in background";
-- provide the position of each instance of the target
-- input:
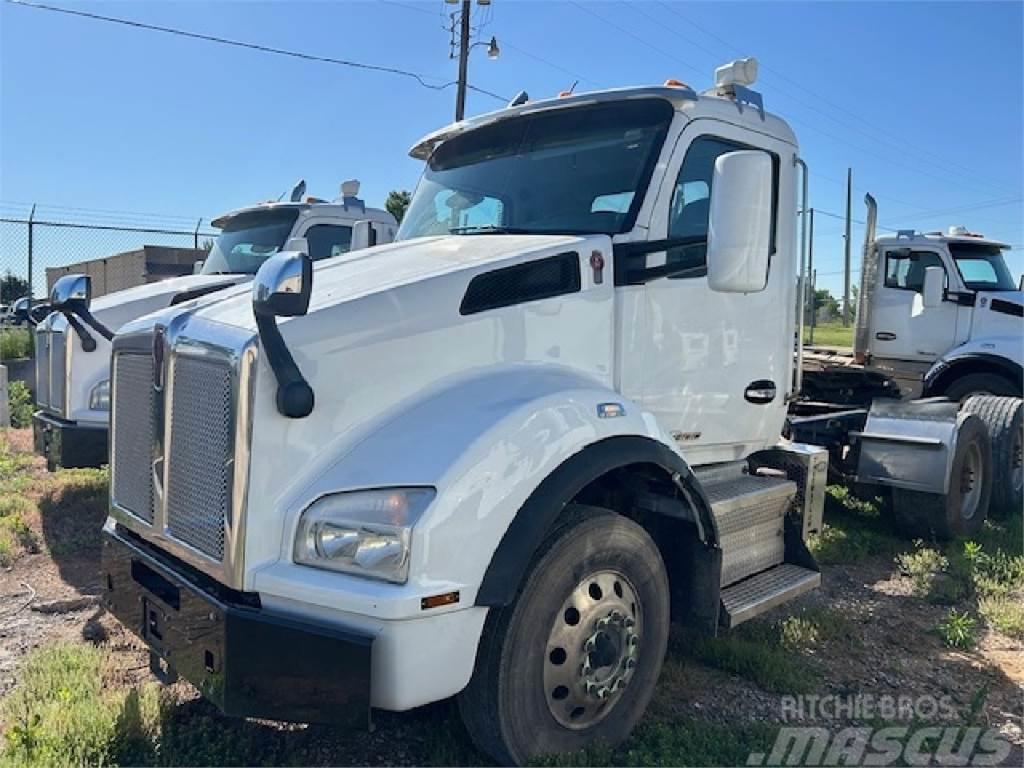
(495, 458)
(73, 354)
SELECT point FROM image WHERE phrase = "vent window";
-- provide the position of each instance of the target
(535, 280)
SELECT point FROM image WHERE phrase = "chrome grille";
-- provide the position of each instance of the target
(57, 370)
(199, 461)
(133, 431)
(42, 341)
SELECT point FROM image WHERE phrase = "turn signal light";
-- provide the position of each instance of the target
(436, 601)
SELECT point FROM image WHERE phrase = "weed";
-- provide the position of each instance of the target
(957, 631)
(19, 398)
(924, 566)
(1004, 614)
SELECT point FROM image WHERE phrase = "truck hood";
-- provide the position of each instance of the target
(116, 309)
(379, 269)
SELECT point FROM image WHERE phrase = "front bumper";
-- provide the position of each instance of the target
(67, 444)
(248, 661)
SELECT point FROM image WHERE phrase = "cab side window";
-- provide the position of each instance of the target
(690, 206)
(904, 269)
(328, 240)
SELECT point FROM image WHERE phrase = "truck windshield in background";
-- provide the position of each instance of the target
(577, 170)
(982, 267)
(249, 239)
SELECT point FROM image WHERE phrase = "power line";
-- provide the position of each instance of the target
(971, 178)
(940, 161)
(250, 46)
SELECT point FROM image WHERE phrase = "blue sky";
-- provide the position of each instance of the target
(923, 100)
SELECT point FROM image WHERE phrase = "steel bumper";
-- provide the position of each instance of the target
(247, 661)
(67, 444)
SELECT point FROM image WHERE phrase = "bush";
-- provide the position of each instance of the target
(15, 343)
(957, 631)
(19, 398)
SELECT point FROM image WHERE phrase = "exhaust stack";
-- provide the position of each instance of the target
(868, 276)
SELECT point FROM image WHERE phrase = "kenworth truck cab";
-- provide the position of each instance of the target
(73, 356)
(941, 314)
(495, 458)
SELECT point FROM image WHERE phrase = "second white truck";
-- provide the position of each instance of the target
(73, 357)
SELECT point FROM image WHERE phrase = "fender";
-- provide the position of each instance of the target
(487, 443)
(982, 355)
(526, 532)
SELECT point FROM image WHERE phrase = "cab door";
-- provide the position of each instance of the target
(714, 368)
(901, 328)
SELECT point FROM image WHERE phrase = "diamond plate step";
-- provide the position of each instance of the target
(764, 591)
(749, 511)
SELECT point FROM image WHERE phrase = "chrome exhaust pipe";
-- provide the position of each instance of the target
(868, 278)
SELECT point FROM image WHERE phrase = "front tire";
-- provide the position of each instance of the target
(1004, 417)
(980, 384)
(575, 658)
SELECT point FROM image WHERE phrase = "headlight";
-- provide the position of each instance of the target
(99, 396)
(367, 533)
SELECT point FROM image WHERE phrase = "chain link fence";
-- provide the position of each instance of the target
(117, 249)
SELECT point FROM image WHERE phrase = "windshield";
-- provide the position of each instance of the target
(248, 240)
(577, 170)
(982, 267)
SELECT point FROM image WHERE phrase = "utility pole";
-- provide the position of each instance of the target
(460, 95)
(846, 256)
(814, 289)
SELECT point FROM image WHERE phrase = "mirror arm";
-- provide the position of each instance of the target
(37, 314)
(83, 312)
(294, 395)
(88, 342)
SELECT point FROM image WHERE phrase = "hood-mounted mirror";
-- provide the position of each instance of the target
(282, 288)
(71, 295)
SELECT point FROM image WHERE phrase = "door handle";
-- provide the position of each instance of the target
(760, 392)
(885, 336)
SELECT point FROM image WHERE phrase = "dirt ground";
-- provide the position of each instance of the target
(873, 638)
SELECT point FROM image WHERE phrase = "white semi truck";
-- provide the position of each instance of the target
(496, 458)
(73, 354)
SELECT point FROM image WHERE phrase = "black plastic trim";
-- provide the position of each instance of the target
(195, 293)
(508, 565)
(1007, 307)
(935, 379)
(68, 444)
(496, 288)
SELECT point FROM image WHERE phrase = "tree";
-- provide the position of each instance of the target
(397, 202)
(825, 305)
(12, 287)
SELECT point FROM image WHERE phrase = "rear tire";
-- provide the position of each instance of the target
(575, 658)
(1004, 417)
(961, 512)
(980, 384)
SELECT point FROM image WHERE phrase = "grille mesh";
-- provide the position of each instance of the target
(42, 367)
(133, 434)
(57, 342)
(200, 460)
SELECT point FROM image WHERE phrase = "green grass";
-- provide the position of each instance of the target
(830, 335)
(768, 653)
(60, 713)
(15, 343)
(855, 529)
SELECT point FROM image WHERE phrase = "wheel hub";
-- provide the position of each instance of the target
(970, 487)
(593, 649)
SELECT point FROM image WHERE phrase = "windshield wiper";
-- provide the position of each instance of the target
(488, 229)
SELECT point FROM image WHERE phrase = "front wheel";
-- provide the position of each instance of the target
(574, 660)
(980, 384)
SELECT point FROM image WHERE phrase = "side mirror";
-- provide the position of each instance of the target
(740, 222)
(71, 291)
(934, 287)
(299, 244)
(283, 285)
(363, 235)
(197, 267)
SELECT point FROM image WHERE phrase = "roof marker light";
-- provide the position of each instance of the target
(673, 83)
